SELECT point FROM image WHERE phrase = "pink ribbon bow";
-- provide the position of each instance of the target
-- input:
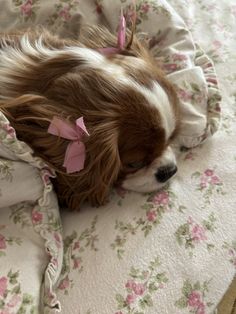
(75, 152)
(120, 38)
(121, 32)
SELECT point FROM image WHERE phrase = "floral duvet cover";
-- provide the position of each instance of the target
(173, 251)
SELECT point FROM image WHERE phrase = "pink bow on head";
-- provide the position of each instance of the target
(121, 32)
(75, 152)
(120, 38)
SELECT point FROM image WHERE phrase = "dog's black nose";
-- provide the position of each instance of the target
(165, 173)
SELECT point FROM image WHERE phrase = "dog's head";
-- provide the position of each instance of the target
(129, 108)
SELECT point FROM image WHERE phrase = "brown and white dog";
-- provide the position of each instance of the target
(130, 109)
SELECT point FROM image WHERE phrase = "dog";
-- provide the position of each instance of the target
(129, 109)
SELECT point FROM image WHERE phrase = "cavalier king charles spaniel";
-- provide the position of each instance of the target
(129, 109)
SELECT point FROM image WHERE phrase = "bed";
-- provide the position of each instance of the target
(173, 251)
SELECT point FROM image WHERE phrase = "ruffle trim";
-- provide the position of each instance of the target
(50, 228)
(213, 101)
(214, 95)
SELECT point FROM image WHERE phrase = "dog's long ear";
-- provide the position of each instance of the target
(30, 116)
(101, 170)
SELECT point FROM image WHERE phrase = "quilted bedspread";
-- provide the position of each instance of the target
(169, 252)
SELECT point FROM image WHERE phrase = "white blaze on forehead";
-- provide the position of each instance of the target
(157, 97)
(165, 108)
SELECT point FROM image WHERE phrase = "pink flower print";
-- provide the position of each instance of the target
(194, 299)
(190, 220)
(151, 215)
(171, 67)
(130, 298)
(139, 289)
(211, 7)
(46, 177)
(14, 300)
(47, 174)
(232, 253)
(55, 262)
(65, 14)
(2, 242)
(233, 10)
(64, 284)
(161, 198)
(215, 180)
(212, 80)
(76, 263)
(3, 286)
(161, 286)
(121, 192)
(199, 98)
(76, 245)
(179, 57)
(217, 44)
(209, 172)
(145, 7)
(26, 8)
(200, 308)
(118, 312)
(10, 131)
(198, 233)
(37, 217)
(57, 237)
(6, 311)
(203, 183)
(189, 156)
(184, 95)
(130, 284)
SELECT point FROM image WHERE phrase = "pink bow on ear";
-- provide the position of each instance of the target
(75, 152)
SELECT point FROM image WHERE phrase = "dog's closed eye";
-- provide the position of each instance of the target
(136, 165)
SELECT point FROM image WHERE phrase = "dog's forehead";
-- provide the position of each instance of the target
(137, 74)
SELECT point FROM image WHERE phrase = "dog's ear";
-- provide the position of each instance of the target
(102, 167)
(30, 115)
(106, 165)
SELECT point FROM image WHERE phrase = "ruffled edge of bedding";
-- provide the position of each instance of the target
(214, 94)
(50, 229)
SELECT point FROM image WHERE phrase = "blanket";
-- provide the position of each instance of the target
(172, 251)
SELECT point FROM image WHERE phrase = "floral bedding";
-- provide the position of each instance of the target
(173, 251)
